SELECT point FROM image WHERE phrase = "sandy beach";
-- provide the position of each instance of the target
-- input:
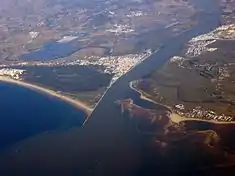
(76, 103)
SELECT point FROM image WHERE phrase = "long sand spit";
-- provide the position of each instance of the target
(76, 103)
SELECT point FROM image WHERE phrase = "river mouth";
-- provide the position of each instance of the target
(107, 142)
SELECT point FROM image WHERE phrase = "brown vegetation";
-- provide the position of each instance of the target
(199, 145)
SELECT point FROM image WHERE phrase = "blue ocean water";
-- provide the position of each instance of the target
(24, 113)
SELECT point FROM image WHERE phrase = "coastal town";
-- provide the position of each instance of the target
(200, 113)
(197, 46)
(118, 65)
(12, 73)
(204, 60)
(117, 87)
(197, 113)
(83, 48)
(200, 44)
(112, 29)
(114, 65)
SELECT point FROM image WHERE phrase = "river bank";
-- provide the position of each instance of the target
(173, 116)
(143, 96)
(76, 103)
(94, 147)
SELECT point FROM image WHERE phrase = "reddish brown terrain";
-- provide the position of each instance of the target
(199, 145)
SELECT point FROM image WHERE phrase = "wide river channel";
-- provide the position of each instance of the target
(107, 144)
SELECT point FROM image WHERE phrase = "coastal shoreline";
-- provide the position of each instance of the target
(174, 117)
(143, 97)
(76, 103)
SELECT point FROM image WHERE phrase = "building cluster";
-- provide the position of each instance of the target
(177, 59)
(33, 34)
(225, 32)
(200, 113)
(198, 45)
(119, 29)
(117, 65)
(135, 14)
(13, 73)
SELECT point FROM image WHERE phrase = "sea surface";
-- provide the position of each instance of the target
(108, 144)
(25, 113)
